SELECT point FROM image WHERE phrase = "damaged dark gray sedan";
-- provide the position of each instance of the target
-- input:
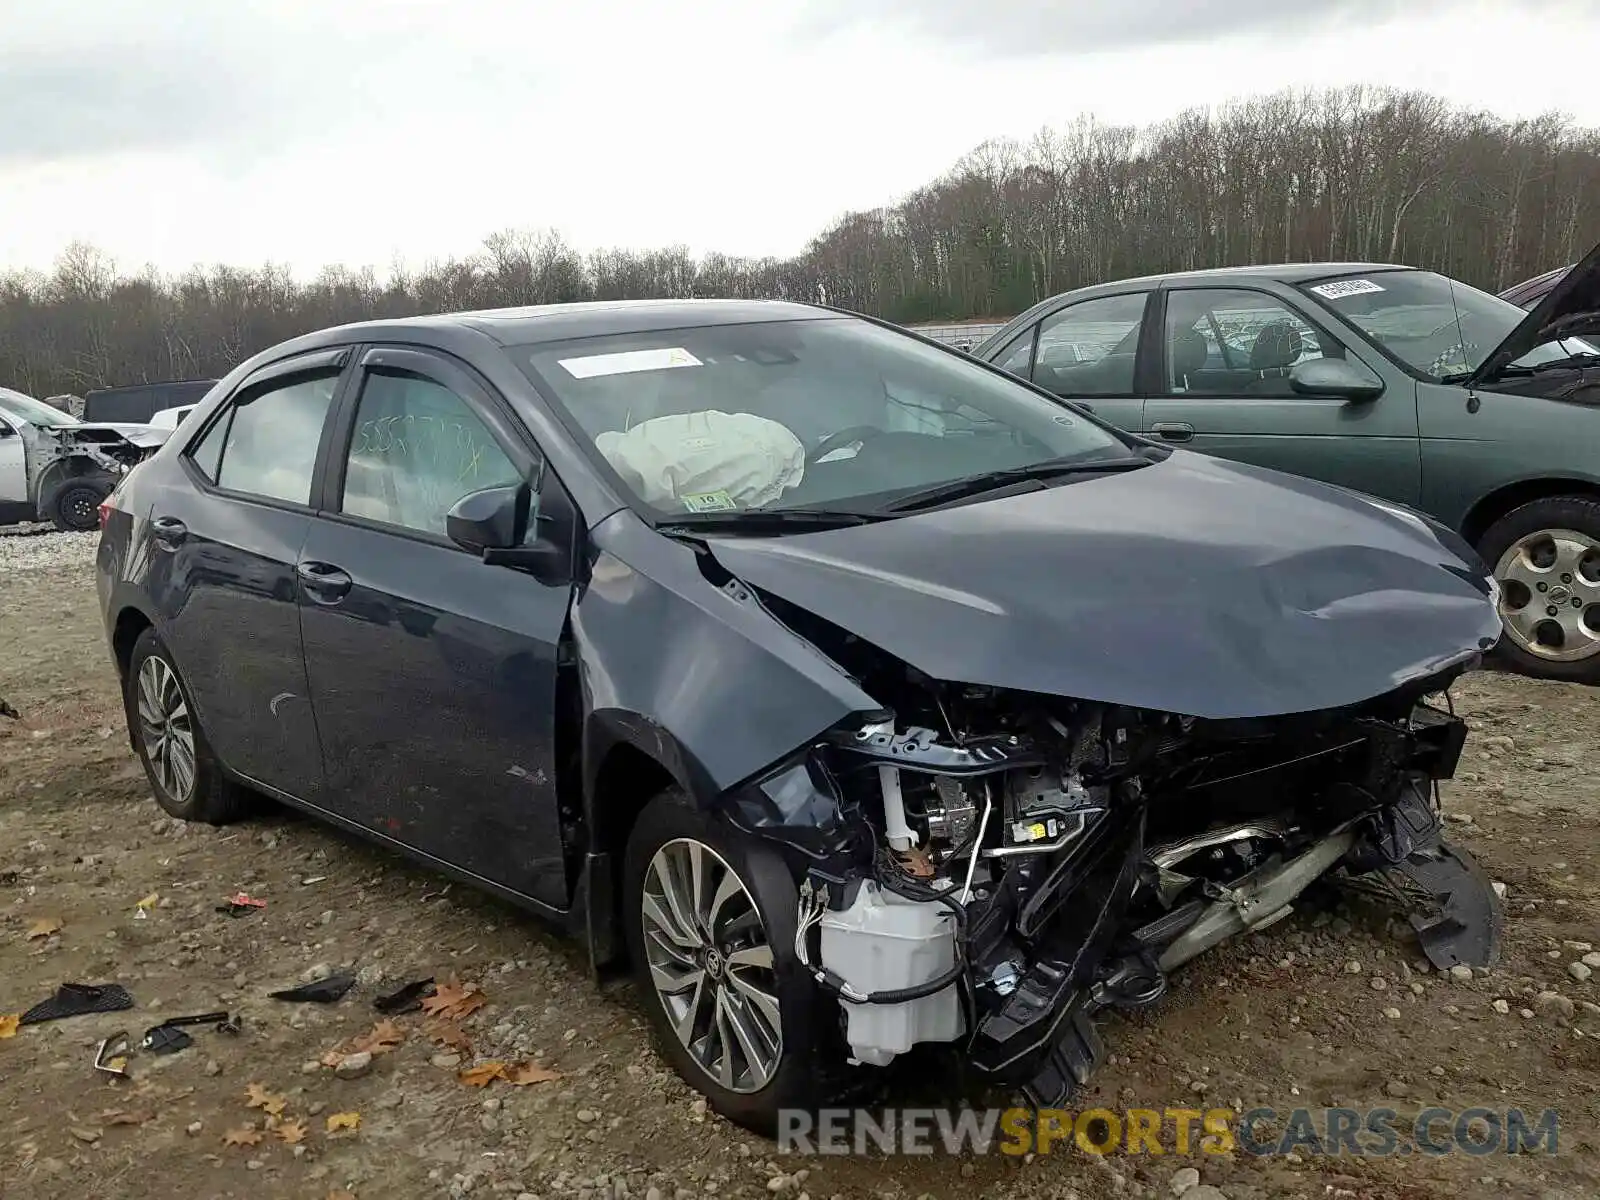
(865, 700)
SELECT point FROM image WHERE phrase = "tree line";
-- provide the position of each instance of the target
(1343, 175)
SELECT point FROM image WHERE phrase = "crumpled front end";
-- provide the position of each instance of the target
(986, 869)
(98, 454)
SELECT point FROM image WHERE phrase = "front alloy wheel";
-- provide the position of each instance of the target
(166, 730)
(1550, 594)
(711, 964)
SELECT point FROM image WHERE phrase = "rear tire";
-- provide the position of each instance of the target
(75, 508)
(1546, 556)
(185, 776)
(668, 836)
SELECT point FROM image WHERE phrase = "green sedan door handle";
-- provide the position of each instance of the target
(1173, 431)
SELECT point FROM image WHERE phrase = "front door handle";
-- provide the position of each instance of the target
(323, 582)
(1173, 431)
(168, 531)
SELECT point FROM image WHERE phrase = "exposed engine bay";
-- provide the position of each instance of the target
(990, 868)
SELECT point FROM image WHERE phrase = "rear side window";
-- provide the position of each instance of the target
(265, 444)
(416, 449)
(1090, 348)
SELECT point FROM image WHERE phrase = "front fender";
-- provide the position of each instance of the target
(699, 677)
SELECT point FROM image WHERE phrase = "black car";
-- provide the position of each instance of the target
(138, 402)
(1530, 291)
(864, 698)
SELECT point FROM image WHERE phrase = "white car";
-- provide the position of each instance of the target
(170, 418)
(54, 467)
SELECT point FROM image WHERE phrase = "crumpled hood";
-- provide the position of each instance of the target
(1195, 586)
(139, 435)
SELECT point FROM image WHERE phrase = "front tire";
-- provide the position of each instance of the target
(1546, 557)
(185, 776)
(710, 918)
(76, 507)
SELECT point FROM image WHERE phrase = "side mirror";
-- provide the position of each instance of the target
(494, 523)
(1338, 378)
(493, 519)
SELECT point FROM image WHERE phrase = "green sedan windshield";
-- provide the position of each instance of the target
(1437, 327)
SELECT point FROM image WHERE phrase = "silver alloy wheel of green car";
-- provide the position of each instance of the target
(1550, 594)
(711, 964)
(165, 728)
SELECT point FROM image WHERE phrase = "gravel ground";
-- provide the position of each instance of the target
(27, 550)
(1333, 1009)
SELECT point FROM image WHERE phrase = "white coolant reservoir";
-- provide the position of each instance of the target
(884, 942)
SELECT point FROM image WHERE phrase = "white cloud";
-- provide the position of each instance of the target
(177, 131)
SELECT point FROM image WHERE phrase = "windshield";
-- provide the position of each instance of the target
(1438, 328)
(34, 412)
(834, 413)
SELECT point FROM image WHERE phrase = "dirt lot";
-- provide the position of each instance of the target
(1295, 1016)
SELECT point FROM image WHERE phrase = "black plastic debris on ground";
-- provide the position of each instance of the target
(406, 999)
(77, 1000)
(169, 1037)
(240, 905)
(319, 991)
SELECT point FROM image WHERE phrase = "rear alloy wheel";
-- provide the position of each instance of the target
(1546, 557)
(186, 778)
(710, 918)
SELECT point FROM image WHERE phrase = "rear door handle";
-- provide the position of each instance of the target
(1173, 431)
(324, 582)
(168, 531)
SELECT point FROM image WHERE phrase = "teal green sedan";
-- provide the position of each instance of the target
(1400, 383)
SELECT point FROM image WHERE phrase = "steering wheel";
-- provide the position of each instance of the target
(842, 438)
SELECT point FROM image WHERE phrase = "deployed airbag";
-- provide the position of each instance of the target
(706, 461)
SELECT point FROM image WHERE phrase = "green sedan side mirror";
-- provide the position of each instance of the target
(1335, 377)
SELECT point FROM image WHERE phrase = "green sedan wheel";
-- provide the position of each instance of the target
(1546, 557)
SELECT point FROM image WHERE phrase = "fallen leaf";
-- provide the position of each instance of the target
(338, 1194)
(149, 902)
(345, 1120)
(524, 1074)
(483, 1074)
(9, 1025)
(256, 1096)
(383, 1037)
(292, 1133)
(43, 927)
(454, 1000)
(245, 1135)
(449, 1035)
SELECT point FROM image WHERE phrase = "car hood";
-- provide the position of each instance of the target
(1570, 309)
(1195, 586)
(144, 436)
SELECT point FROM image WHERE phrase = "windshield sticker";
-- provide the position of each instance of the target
(1341, 288)
(702, 502)
(627, 362)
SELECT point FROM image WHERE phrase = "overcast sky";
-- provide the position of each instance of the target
(359, 131)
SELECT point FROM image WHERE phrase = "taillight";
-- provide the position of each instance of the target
(105, 511)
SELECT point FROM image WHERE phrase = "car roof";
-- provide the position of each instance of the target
(1289, 273)
(595, 318)
(1279, 272)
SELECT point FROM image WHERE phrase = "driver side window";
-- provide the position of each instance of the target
(416, 449)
